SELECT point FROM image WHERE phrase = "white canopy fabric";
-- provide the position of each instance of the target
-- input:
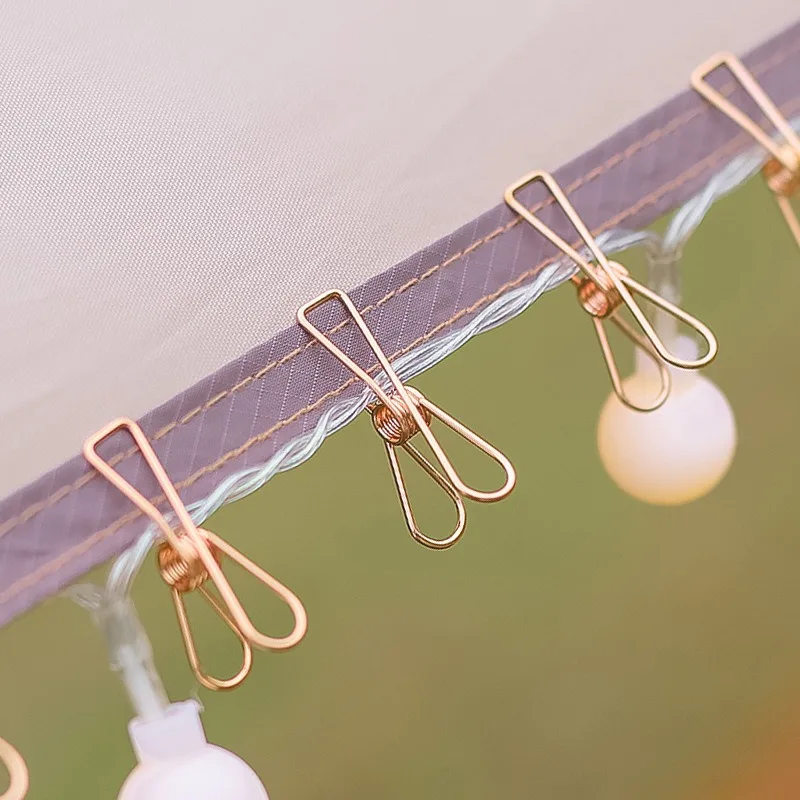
(176, 178)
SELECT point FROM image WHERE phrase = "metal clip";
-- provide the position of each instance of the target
(190, 556)
(782, 170)
(404, 413)
(605, 287)
(17, 772)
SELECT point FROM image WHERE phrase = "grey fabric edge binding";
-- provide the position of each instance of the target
(57, 528)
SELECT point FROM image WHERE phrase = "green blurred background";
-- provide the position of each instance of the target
(575, 644)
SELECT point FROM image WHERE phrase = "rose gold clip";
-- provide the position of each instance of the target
(603, 290)
(404, 413)
(782, 170)
(190, 556)
(17, 772)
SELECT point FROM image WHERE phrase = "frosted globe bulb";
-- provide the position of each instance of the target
(677, 453)
(176, 762)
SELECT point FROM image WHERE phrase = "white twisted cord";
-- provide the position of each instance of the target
(664, 252)
(300, 449)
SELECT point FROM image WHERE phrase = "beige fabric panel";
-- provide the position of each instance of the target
(176, 178)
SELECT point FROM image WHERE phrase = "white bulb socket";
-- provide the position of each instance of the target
(176, 762)
(677, 453)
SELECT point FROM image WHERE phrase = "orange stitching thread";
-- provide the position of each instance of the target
(693, 172)
(674, 124)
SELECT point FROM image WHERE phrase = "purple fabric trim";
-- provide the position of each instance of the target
(60, 526)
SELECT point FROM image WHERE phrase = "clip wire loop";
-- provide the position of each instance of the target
(191, 555)
(782, 170)
(17, 772)
(402, 414)
(605, 287)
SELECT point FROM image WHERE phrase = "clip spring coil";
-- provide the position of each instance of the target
(404, 413)
(191, 556)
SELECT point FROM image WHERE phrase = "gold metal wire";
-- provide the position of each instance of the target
(782, 170)
(191, 556)
(604, 287)
(180, 573)
(17, 772)
(395, 423)
(401, 415)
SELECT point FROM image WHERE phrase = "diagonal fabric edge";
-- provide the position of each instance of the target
(68, 521)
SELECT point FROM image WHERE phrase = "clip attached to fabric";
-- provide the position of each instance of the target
(400, 415)
(18, 781)
(191, 556)
(605, 287)
(782, 170)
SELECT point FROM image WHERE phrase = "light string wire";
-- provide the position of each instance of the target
(407, 366)
(111, 607)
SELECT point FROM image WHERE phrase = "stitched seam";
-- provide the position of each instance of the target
(693, 172)
(677, 122)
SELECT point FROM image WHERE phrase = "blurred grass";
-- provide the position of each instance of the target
(575, 644)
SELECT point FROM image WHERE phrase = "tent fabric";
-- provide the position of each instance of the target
(176, 178)
(61, 525)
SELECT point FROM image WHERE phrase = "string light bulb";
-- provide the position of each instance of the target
(176, 762)
(677, 453)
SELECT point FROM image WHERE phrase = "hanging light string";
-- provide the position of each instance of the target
(663, 272)
(124, 570)
(129, 649)
(663, 253)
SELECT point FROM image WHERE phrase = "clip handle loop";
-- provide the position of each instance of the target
(209, 681)
(613, 370)
(791, 218)
(405, 502)
(17, 772)
(477, 441)
(410, 411)
(248, 630)
(634, 287)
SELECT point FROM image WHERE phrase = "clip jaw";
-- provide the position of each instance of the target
(405, 412)
(782, 170)
(605, 287)
(17, 772)
(191, 556)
